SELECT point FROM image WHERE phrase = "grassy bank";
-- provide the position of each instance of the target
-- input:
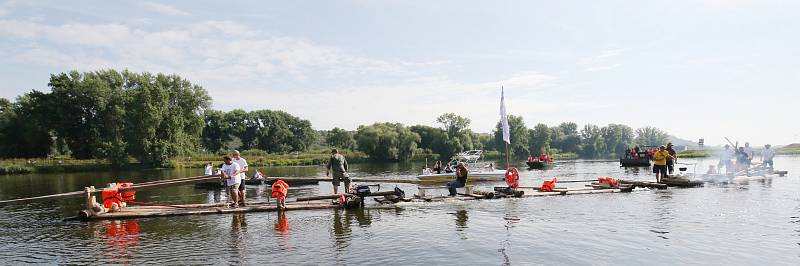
(694, 154)
(254, 159)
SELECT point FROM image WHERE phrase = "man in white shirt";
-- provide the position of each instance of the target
(767, 154)
(237, 158)
(230, 173)
(725, 159)
(209, 170)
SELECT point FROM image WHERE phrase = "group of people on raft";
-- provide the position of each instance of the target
(541, 158)
(233, 172)
(741, 159)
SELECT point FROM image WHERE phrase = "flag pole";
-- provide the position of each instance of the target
(506, 155)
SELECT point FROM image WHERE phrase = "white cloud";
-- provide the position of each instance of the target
(602, 67)
(165, 9)
(208, 50)
(276, 72)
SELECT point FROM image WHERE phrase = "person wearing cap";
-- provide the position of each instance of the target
(338, 164)
(660, 163)
(767, 155)
(237, 158)
(461, 179)
(673, 156)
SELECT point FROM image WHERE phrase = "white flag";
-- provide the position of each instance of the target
(504, 118)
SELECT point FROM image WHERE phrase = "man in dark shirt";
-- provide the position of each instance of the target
(461, 179)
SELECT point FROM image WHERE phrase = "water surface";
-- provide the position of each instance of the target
(742, 224)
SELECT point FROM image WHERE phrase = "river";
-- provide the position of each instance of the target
(738, 224)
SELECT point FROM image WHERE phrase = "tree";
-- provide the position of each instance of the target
(89, 113)
(216, 131)
(165, 116)
(341, 138)
(592, 141)
(387, 141)
(24, 130)
(453, 124)
(617, 139)
(651, 136)
(519, 137)
(539, 139)
(568, 128)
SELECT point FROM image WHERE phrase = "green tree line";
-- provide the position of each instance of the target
(120, 115)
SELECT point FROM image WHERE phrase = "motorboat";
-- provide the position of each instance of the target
(478, 170)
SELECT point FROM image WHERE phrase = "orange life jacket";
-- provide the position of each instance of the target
(280, 189)
(548, 185)
(512, 177)
(112, 194)
(110, 197)
(610, 180)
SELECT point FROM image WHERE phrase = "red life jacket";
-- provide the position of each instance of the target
(512, 177)
(280, 189)
(610, 180)
(548, 185)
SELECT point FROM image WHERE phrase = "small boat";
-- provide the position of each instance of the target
(478, 171)
(637, 157)
(540, 162)
(473, 176)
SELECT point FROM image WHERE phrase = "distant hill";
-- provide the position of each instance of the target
(793, 146)
(682, 142)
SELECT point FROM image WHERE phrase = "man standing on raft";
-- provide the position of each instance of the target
(338, 164)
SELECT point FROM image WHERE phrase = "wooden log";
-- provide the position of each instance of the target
(505, 191)
(681, 182)
(644, 184)
(328, 179)
(323, 197)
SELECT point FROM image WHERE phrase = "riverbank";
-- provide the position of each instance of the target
(254, 159)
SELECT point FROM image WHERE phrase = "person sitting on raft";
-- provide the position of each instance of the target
(437, 168)
(461, 179)
(258, 174)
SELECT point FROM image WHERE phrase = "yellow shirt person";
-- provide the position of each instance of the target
(660, 157)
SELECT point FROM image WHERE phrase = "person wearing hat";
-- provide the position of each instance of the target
(660, 163)
(673, 156)
(767, 154)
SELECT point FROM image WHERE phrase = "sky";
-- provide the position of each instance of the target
(694, 68)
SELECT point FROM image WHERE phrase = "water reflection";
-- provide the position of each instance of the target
(342, 222)
(341, 230)
(120, 237)
(663, 212)
(238, 235)
(282, 224)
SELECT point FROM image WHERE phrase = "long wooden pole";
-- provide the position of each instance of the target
(506, 154)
